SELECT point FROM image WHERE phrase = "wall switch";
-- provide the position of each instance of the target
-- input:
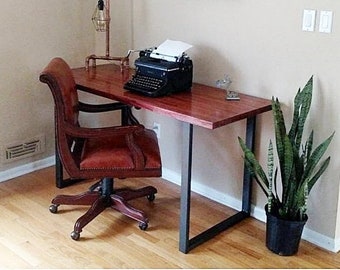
(326, 18)
(308, 23)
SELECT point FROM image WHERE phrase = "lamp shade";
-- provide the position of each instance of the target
(101, 17)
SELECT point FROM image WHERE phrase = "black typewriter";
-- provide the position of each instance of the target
(156, 77)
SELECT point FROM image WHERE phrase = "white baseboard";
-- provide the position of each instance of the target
(203, 190)
(27, 168)
(256, 212)
(336, 245)
(174, 177)
(321, 240)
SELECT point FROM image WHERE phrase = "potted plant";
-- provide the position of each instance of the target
(299, 167)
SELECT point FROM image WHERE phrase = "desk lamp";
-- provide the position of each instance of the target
(101, 20)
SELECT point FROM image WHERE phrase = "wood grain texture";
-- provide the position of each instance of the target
(203, 106)
(32, 237)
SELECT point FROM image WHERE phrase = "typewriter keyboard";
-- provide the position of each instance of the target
(142, 82)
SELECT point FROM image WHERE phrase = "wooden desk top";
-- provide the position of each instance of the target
(204, 106)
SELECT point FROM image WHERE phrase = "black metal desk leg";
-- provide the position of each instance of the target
(185, 187)
(186, 244)
(58, 170)
(247, 180)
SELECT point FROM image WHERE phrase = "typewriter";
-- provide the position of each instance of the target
(155, 77)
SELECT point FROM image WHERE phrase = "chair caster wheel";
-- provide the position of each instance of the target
(53, 208)
(75, 235)
(151, 197)
(143, 226)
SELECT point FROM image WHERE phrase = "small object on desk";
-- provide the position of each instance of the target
(232, 95)
(225, 85)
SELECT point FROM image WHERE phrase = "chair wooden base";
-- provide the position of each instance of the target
(102, 195)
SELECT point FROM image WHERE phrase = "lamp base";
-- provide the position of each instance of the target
(124, 60)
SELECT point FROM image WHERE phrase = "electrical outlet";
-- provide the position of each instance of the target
(157, 128)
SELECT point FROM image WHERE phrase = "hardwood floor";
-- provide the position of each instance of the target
(32, 237)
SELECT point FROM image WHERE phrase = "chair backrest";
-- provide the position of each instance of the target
(58, 76)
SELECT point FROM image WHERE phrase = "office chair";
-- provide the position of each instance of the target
(99, 153)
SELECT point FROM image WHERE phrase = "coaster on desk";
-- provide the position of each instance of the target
(232, 95)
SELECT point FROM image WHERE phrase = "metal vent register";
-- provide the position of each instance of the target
(24, 149)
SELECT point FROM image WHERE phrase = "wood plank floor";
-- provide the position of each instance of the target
(32, 237)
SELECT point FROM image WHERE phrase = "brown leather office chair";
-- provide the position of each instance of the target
(99, 153)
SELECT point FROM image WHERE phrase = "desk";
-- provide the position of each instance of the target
(204, 106)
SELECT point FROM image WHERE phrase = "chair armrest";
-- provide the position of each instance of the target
(97, 108)
(84, 132)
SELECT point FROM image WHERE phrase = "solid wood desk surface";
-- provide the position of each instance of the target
(203, 106)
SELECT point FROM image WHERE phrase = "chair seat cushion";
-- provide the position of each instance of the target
(113, 153)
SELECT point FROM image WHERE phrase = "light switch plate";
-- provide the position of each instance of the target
(326, 20)
(308, 22)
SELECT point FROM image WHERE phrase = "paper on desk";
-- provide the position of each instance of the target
(170, 50)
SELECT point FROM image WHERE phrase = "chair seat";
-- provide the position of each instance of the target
(113, 153)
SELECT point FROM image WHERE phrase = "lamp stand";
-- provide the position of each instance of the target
(124, 60)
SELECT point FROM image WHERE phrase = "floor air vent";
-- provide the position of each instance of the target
(24, 149)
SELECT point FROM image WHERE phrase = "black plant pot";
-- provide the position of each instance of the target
(283, 236)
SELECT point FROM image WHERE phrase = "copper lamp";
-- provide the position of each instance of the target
(101, 20)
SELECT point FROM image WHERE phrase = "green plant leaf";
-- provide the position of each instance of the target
(302, 104)
(296, 112)
(279, 126)
(287, 159)
(317, 175)
(309, 145)
(315, 158)
(254, 167)
(270, 166)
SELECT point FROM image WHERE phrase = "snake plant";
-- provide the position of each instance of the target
(299, 166)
